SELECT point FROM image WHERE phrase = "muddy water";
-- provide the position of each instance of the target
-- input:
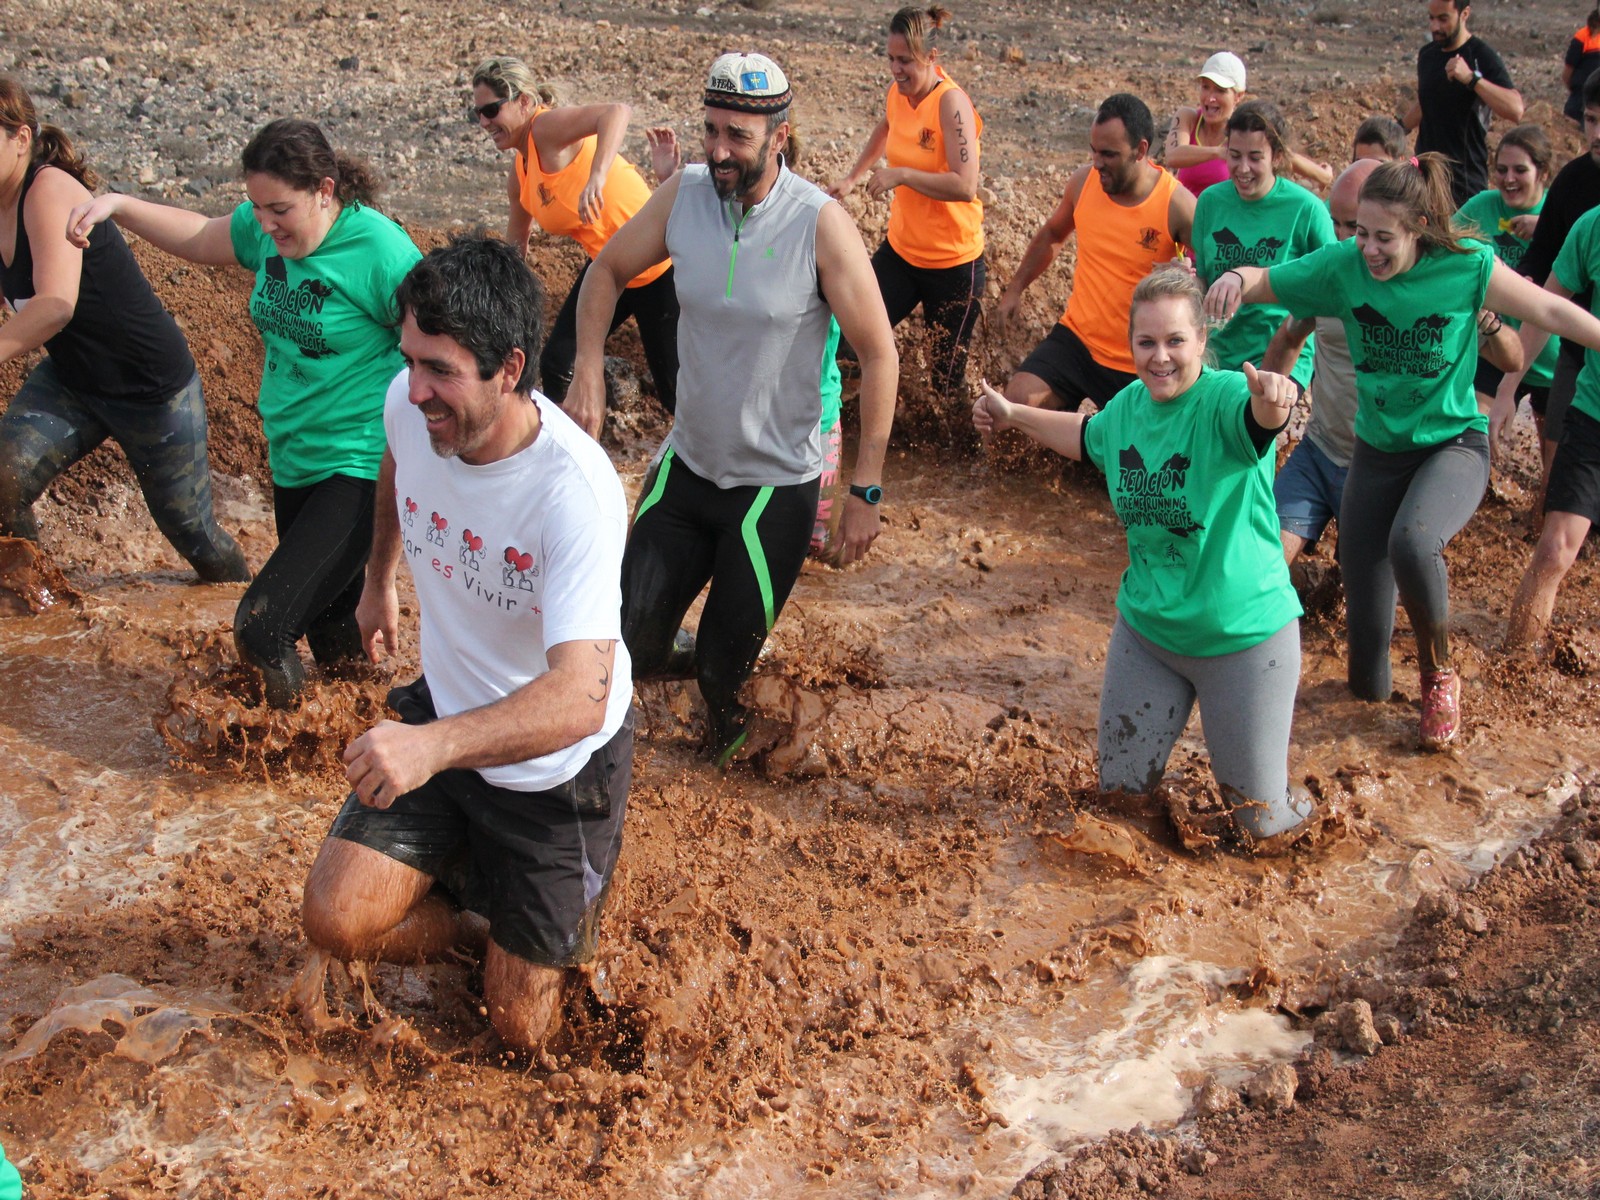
(915, 958)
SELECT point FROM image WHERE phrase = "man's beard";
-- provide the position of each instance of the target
(748, 176)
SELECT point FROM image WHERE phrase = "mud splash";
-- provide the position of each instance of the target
(919, 952)
(29, 582)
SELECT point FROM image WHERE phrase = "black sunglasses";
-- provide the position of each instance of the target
(488, 112)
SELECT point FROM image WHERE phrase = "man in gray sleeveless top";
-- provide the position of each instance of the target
(762, 259)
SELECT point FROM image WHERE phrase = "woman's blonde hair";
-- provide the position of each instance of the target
(1165, 283)
(509, 77)
(1174, 283)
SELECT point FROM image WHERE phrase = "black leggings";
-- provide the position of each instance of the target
(310, 586)
(1399, 513)
(654, 308)
(49, 426)
(951, 299)
(750, 542)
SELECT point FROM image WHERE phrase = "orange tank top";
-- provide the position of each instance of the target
(926, 232)
(552, 199)
(1117, 246)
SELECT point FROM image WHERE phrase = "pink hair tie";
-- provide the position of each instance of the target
(1415, 163)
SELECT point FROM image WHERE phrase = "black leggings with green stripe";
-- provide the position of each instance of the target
(750, 542)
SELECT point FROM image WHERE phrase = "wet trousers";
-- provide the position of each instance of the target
(749, 542)
(49, 427)
(1246, 708)
(310, 586)
(952, 301)
(1398, 514)
(654, 308)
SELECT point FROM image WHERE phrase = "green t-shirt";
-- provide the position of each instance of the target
(10, 1181)
(1487, 216)
(1413, 338)
(1578, 267)
(1229, 232)
(332, 347)
(1205, 573)
(832, 380)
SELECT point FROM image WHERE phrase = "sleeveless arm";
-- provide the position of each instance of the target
(636, 247)
(844, 273)
(558, 128)
(959, 124)
(864, 162)
(519, 222)
(1042, 249)
(1182, 148)
(57, 265)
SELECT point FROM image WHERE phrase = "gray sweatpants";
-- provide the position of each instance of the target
(1399, 513)
(1246, 708)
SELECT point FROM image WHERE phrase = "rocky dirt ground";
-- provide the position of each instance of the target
(1466, 1064)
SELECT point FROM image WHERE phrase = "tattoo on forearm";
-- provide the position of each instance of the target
(605, 676)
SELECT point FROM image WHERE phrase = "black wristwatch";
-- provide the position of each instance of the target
(872, 494)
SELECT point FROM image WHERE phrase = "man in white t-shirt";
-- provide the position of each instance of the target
(507, 781)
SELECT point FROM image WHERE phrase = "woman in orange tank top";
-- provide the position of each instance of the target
(568, 176)
(933, 255)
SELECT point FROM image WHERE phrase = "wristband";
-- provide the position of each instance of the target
(1235, 271)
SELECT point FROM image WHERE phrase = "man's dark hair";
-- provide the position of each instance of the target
(1591, 91)
(477, 291)
(1134, 114)
(1383, 131)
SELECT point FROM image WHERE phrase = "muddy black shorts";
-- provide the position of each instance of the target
(538, 865)
(1487, 380)
(1070, 370)
(1575, 474)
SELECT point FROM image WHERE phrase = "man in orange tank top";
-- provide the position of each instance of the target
(1129, 215)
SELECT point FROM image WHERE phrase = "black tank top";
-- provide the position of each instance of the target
(120, 343)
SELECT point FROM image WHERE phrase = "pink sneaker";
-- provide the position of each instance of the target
(1441, 708)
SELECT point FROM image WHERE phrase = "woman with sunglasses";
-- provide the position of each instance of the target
(568, 176)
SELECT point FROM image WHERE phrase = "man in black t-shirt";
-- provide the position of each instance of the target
(1461, 84)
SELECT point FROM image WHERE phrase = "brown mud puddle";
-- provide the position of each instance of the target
(915, 956)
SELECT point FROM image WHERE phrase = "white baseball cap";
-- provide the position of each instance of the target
(1225, 70)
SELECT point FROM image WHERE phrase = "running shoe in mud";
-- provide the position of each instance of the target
(754, 738)
(1441, 708)
(680, 659)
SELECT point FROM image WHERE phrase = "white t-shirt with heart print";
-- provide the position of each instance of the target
(511, 559)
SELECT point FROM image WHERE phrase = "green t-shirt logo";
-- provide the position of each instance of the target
(1509, 249)
(1390, 350)
(1231, 251)
(291, 313)
(1146, 497)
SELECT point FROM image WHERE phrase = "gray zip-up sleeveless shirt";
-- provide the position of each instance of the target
(750, 334)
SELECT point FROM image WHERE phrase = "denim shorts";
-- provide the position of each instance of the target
(1308, 491)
